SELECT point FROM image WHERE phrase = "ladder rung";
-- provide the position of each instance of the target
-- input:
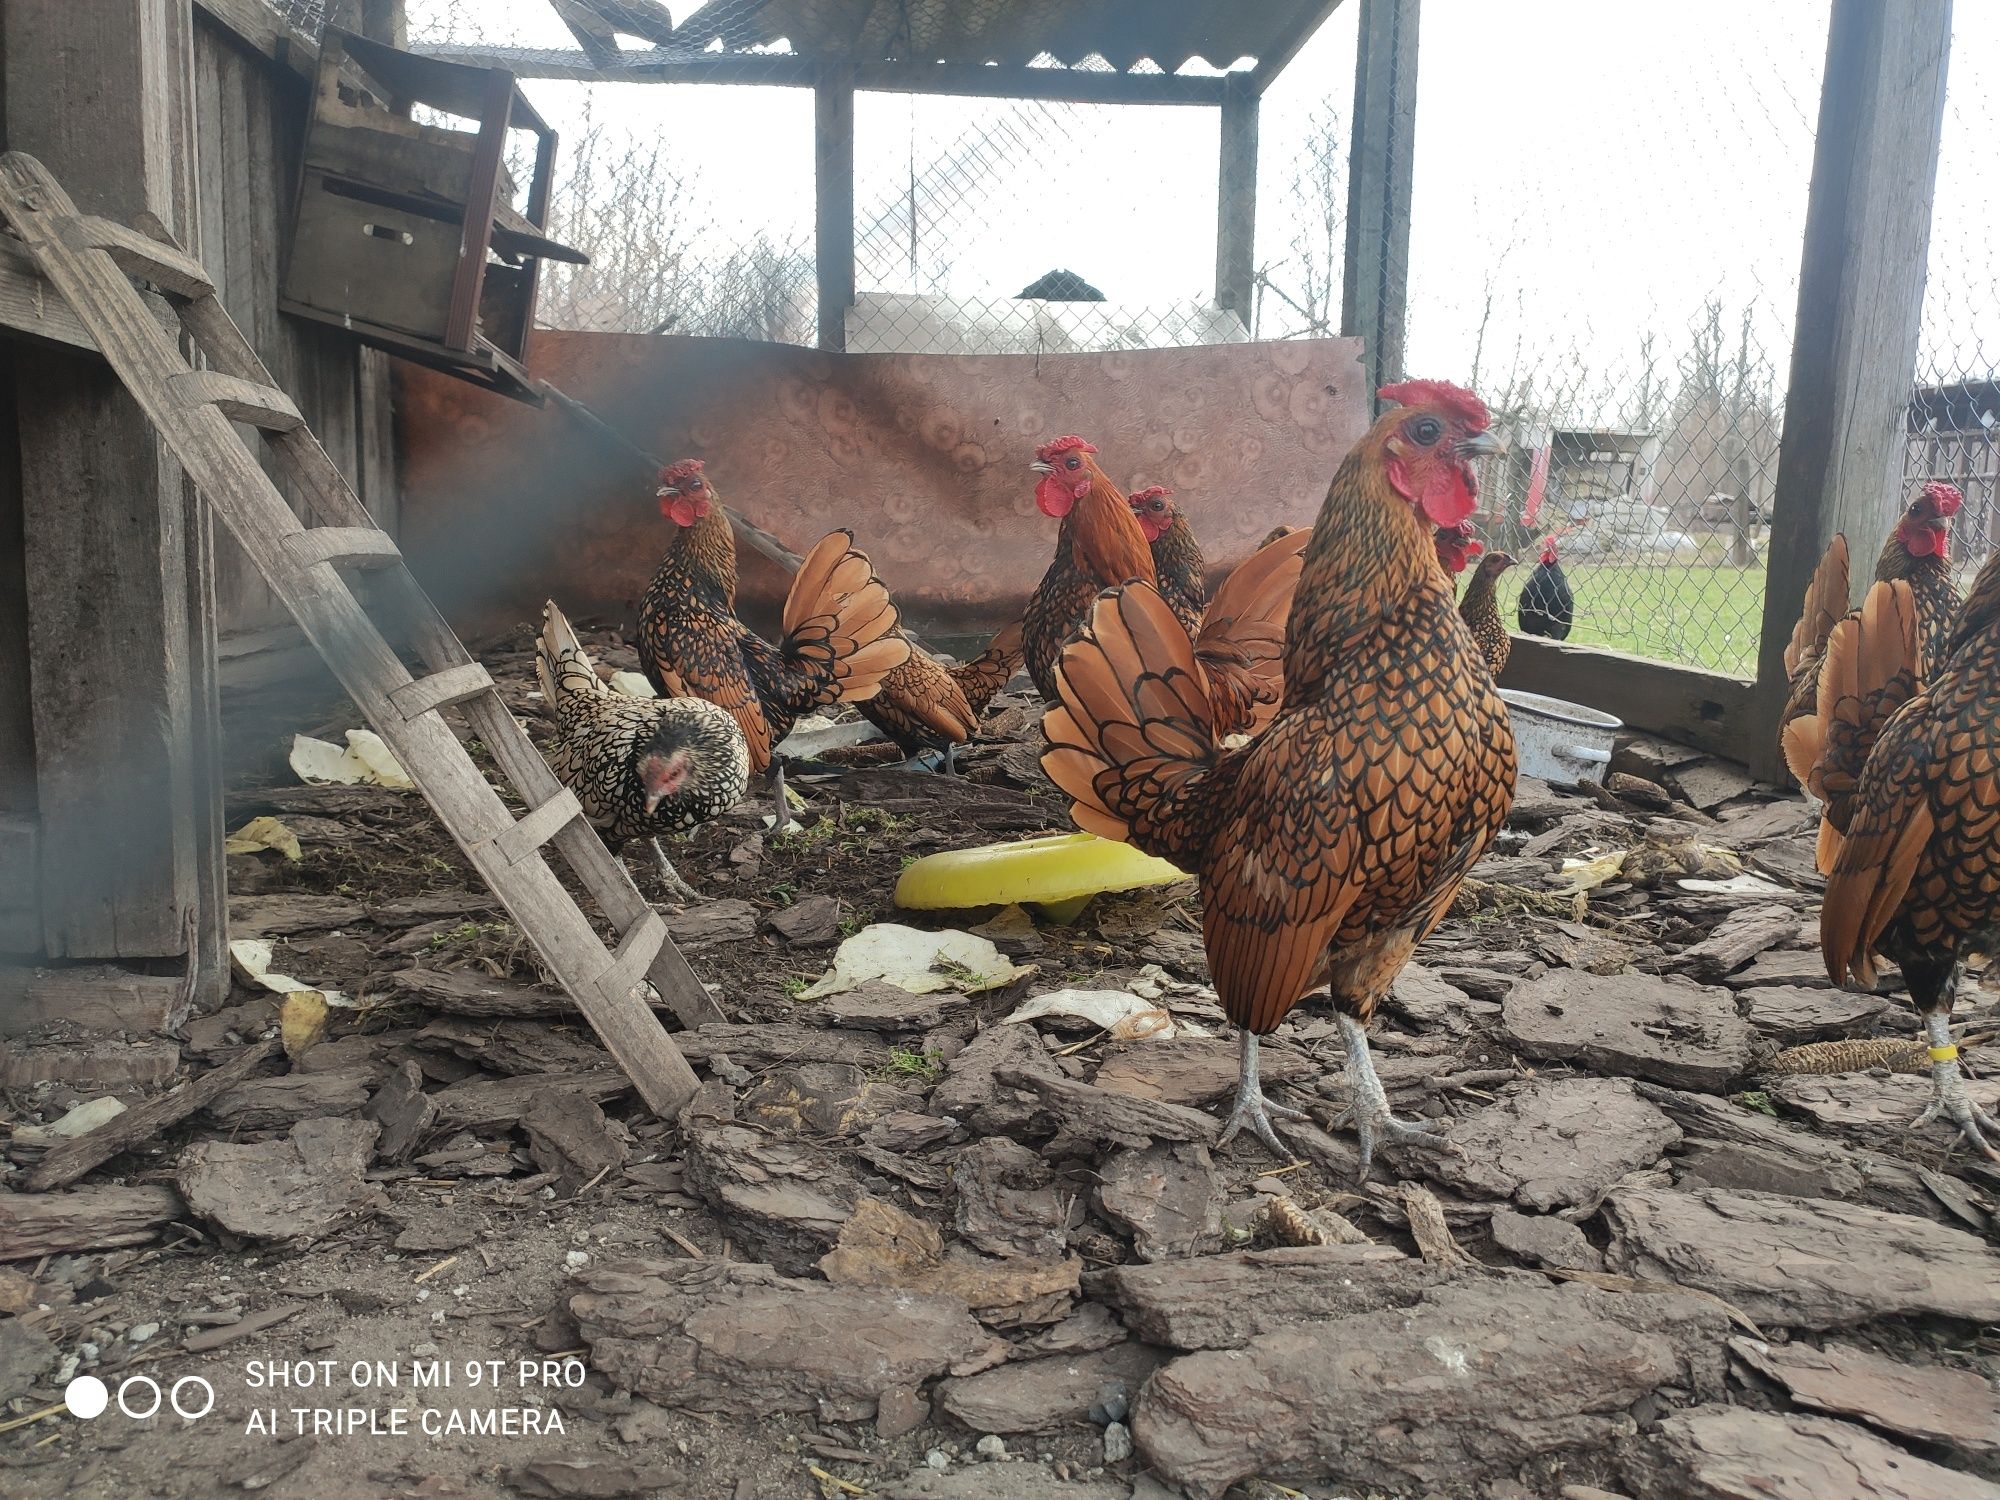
(636, 951)
(538, 827)
(343, 546)
(166, 266)
(239, 400)
(441, 689)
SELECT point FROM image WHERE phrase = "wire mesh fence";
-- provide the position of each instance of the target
(1954, 421)
(1604, 241)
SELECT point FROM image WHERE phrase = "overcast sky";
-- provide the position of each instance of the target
(1604, 170)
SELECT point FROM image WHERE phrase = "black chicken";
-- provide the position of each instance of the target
(1547, 608)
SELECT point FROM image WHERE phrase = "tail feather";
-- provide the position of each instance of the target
(1241, 648)
(841, 635)
(562, 666)
(987, 673)
(1132, 734)
(1824, 607)
(1869, 672)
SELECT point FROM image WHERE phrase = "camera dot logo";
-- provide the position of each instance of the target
(86, 1397)
(139, 1397)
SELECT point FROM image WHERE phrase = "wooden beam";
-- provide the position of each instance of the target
(29, 305)
(1236, 199)
(1374, 294)
(1861, 281)
(1280, 57)
(263, 30)
(1708, 710)
(1062, 85)
(833, 194)
(119, 599)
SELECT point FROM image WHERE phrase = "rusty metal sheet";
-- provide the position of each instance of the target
(923, 457)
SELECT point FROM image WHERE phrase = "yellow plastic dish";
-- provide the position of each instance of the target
(1059, 872)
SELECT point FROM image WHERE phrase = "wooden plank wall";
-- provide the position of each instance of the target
(249, 120)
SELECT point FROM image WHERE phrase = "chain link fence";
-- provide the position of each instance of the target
(1954, 422)
(1604, 242)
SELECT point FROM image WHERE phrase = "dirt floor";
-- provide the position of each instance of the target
(901, 1247)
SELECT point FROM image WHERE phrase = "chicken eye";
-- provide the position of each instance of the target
(694, 485)
(1427, 430)
(1072, 462)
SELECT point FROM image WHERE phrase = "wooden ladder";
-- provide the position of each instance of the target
(91, 261)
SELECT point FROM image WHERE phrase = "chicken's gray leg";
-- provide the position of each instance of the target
(1252, 1108)
(784, 820)
(951, 759)
(671, 878)
(1369, 1108)
(1948, 1095)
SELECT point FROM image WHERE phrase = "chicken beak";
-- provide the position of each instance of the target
(1481, 445)
(653, 800)
(1041, 468)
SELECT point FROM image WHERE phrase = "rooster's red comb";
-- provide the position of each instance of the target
(680, 470)
(1055, 448)
(1150, 492)
(1455, 399)
(1946, 497)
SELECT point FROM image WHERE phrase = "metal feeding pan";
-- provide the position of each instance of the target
(1560, 741)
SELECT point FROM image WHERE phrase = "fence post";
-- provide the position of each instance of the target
(1236, 198)
(1861, 284)
(833, 191)
(1374, 292)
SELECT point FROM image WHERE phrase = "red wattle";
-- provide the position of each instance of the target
(1053, 499)
(683, 511)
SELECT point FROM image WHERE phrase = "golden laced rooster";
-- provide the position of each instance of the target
(1915, 871)
(1239, 652)
(840, 636)
(1915, 552)
(1330, 845)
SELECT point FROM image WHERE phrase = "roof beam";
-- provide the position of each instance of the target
(1068, 85)
(1268, 68)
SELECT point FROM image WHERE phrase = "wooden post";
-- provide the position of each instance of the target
(1861, 283)
(833, 191)
(1236, 199)
(1374, 293)
(121, 688)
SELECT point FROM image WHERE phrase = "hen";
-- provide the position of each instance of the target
(924, 705)
(1480, 608)
(1916, 553)
(840, 640)
(1329, 846)
(1239, 650)
(1546, 607)
(1178, 568)
(1916, 878)
(641, 767)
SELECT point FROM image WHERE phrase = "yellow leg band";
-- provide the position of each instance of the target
(1944, 1054)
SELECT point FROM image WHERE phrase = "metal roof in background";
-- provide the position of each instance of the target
(1169, 33)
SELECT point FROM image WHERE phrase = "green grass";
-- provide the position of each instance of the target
(1700, 613)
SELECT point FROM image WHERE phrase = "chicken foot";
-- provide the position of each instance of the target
(1252, 1107)
(1369, 1111)
(671, 878)
(1948, 1096)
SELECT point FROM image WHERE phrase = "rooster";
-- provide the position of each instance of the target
(1178, 568)
(1480, 608)
(1546, 607)
(1916, 553)
(1239, 651)
(840, 640)
(1329, 846)
(1916, 876)
(641, 767)
(925, 705)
